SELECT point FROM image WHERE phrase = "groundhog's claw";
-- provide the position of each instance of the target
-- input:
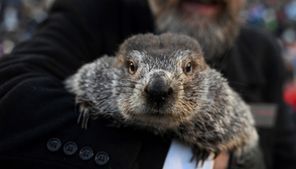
(83, 115)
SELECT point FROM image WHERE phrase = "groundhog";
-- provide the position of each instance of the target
(162, 83)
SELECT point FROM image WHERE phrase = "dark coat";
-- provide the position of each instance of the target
(38, 116)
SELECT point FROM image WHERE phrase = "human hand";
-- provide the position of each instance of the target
(221, 161)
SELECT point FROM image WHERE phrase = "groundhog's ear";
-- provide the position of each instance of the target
(119, 61)
(105, 62)
(202, 65)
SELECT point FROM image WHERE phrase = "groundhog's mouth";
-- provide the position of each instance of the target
(157, 114)
(156, 119)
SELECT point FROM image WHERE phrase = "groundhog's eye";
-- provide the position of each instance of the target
(188, 68)
(132, 67)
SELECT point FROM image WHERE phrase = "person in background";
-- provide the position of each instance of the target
(38, 117)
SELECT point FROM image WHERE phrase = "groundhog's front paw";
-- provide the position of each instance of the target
(201, 155)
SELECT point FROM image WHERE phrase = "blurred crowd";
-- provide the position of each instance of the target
(278, 17)
(18, 19)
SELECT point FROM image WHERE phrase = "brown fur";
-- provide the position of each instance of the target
(201, 111)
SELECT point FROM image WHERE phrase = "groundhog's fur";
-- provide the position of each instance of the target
(200, 109)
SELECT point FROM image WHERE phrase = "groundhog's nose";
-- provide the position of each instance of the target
(158, 91)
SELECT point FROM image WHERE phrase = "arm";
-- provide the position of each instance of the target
(30, 80)
(274, 69)
(34, 106)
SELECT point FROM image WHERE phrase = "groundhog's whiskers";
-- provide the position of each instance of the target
(132, 87)
(130, 80)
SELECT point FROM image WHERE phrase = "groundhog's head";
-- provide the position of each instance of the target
(159, 78)
(163, 83)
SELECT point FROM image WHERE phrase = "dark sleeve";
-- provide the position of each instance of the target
(263, 63)
(81, 31)
(36, 109)
(274, 68)
(257, 70)
(285, 138)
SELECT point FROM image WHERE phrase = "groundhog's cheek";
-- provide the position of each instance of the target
(130, 105)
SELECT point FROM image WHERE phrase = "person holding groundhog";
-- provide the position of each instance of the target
(38, 116)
